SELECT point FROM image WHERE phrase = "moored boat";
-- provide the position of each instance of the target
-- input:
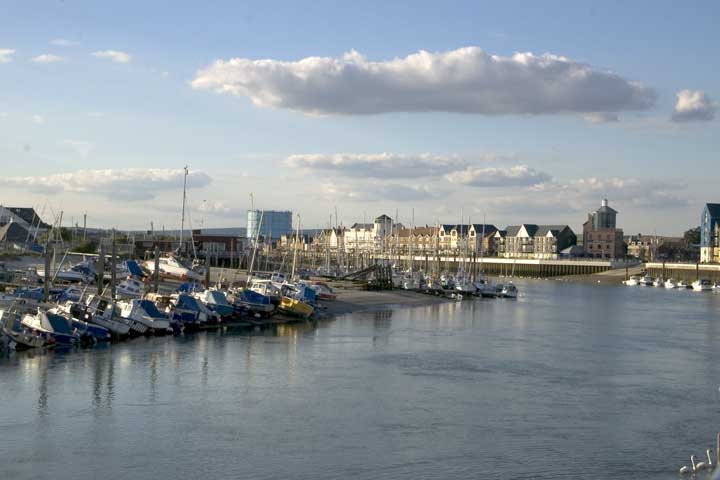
(295, 307)
(56, 327)
(146, 313)
(702, 285)
(23, 337)
(509, 290)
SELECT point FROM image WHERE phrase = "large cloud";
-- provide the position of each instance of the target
(378, 165)
(127, 184)
(47, 58)
(467, 80)
(693, 105)
(515, 176)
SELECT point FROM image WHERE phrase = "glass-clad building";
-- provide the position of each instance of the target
(274, 224)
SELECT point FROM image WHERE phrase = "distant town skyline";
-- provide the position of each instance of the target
(513, 113)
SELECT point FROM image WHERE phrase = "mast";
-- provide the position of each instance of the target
(182, 220)
(297, 237)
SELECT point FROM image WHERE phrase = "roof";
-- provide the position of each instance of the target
(13, 232)
(713, 209)
(29, 215)
(512, 230)
(383, 217)
(489, 229)
(447, 227)
(543, 230)
(573, 250)
(606, 209)
(363, 226)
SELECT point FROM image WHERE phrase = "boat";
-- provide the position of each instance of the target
(671, 283)
(254, 302)
(23, 337)
(683, 285)
(702, 285)
(659, 282)
(216, 301)
(509, 291)
(130, 288)
(54, 326)
(171, 266)
(187, 312)
(267, 288)
(633, 281)
(647, 281)
(89, 332)
(323, 290)
(101, 311)
(295, 307)
(146, 313)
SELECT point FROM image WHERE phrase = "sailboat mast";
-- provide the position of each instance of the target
(182, 220)
(297, 237)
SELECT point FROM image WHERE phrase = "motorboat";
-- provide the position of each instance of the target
(671, 283)
(216, 301)
(647, 281)
(254, 302)
(146, 313)
(187, 312)
(323, 290)
(130, 288)
(484, 288)
(633, 281)
(171, 266)
(54, 326)
(23, 337)
(102, 311)
(659, 282)
(89, 332)
(295, 307)
(509, 290)
(702, 285)
(268, 288)
(683, 285)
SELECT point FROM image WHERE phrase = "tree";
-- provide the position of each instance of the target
(692, 236)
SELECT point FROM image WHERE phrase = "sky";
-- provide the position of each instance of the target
(512, 112)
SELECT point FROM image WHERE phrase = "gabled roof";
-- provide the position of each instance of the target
(447, 226)
(713, 209)
(512, 230)
(29, 215)
(13, 232)
(554, 229)
(362, 226)
(530, 228)
(383, 217)
(489, 228)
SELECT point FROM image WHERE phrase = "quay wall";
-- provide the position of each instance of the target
(688, 272)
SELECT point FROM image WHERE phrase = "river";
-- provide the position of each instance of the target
(567, 381)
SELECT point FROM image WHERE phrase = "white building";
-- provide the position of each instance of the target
(369, 236)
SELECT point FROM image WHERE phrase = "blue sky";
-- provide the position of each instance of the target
(311, 149)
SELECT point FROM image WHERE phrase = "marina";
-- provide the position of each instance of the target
(393, 380)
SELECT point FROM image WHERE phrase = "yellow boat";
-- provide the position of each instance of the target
(295, 307)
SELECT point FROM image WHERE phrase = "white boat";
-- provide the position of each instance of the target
(633, 281)
(130, 288)
(55, 327)
(682, 285)
(267, 288)
(101, 311)
(647, 281)
(659, 282)
(509, 291)
(172, 266)
(702, 285)
(146, 313)
(671, 283)
(23, 337)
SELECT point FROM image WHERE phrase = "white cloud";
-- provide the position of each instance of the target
(372, 192)
(601, 117)
(81, 147)
(114, 55)
(467, 80)
(127, 184)
(62, 42)
(48, 58)
(693, 105)
(38, 119)
(515, 176)
(217, 209)
(6, 55)
(378, 165)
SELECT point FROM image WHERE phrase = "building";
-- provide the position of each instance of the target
(422, 240)
(481, 236)
(20, 226)
(330, 238)
(710, 233)
(540, 242)
(370, 236)
(274, 224)
(601, 237)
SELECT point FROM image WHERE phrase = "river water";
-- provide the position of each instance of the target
(568, 381)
